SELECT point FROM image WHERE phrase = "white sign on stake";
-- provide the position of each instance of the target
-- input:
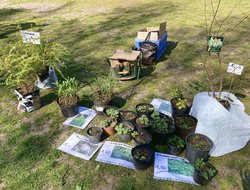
(30, 37)
(235, 68)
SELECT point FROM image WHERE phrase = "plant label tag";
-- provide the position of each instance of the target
(30, 37)
(235, 68)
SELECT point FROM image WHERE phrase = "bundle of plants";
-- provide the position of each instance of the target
(103, 88)
(185, 124)
(142, 157)
(67, 96)
(198, 146)
(142, 137)
(143, 122)
(175, 145)
(112, 112)
(94, 134)
(124, 130)
(127, 116)
(179, 103)
(109, 126)
(162, 127)
(22, 63)
(203, 172)
(144, 109)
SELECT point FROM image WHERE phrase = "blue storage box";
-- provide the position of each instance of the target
(161, 45)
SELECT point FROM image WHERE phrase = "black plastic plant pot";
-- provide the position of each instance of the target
(127, 115)
(107, 108)
(142, 157)
(94, 134)
(149, 109)
(99, 105)
(162, 137)
(184, 125)
(68, 110)
(198, 146)
(174, 150)
(200, 179)
(176, 111)
(144, 138)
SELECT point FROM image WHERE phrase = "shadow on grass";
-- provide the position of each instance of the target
(48, 98)
(245, 178)
(5, 13)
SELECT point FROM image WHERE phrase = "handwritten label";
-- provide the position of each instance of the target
(235, 68)
(30, 37)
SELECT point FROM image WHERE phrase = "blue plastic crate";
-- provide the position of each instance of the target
(161, 44)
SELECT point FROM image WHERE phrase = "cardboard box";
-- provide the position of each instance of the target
(156, 32)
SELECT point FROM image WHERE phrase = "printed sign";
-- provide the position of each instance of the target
(82, 119)
(79, 146)
(174, 168)
(235, 68)
(162, 106)
(30, 37)
(117, 154)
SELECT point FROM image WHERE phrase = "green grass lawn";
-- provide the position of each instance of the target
(93, 30)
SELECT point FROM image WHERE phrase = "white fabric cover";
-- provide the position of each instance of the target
(229, 130)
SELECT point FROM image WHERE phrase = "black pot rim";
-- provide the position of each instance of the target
(127, 111)
(99, 128)
(143, 126)
(192, 134)
(151, 138)
(145, 147)
(206, 180)
(109, 107)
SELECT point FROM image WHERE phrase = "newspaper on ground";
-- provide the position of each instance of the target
(82, 119)
(162, 106)
(79, 146)
(117, 154)
(174, 168)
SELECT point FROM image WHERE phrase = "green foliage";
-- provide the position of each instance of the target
(202, 167)
(67, 90)
(181, 103)
(113, 113)
(123, 129)
(106, 122)
(159, 123)
(134, 134)
(198, 142)
(175, 91)
(177, 141)
(21, 62)
(144, 120)
(144, 108)
(104, 87)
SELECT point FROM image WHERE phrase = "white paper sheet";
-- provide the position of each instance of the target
(79, 146)
(162, 106)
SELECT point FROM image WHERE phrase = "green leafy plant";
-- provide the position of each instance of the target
(198, 142)
(104, 87)
(144, 120)
(67, 91)
(177, 141)
(201, 167)
(106, 122)
(134, 134)
(123, 129)
(144, 108)
(21, 63)
(175, 91)
(181, 103)
(113, 113)
(159, 123)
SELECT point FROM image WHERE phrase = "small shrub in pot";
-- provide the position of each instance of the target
(124, 130)
(185, 124)
(143, 122)
(175, 145)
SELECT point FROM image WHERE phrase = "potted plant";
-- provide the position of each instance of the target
(109, 126)
(111, 112)
(128, 116)
(144, 109)
(162, 127)
(175, 145)
(94, 134)
(185, 124)
(142, 157)
(103, 88)
(142, 137)
(180, 105)
(203, 172)
(198, 146)
(21, 63)
(67, 97)
(143, 122)
(124, 130)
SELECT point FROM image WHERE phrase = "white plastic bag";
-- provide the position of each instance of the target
(229, 130)
(48, 82)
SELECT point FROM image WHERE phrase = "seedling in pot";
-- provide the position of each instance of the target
(123, 129)
(113, 113)
(199, 142)
(142, 137)
(181, 103)
(144, 120)
(144, 108)
(176, 141)
(160, 124)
